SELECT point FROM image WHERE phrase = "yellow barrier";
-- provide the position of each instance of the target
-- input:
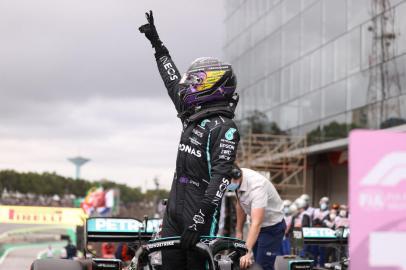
(41, 215)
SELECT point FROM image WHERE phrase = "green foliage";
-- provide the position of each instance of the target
(160, 194)
(258, 122)
(332, 131)
(51, 183)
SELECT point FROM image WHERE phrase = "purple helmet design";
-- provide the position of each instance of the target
(207, 80)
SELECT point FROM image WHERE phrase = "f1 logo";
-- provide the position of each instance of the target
(389, 171)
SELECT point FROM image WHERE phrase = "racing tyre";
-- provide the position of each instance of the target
(61, 264)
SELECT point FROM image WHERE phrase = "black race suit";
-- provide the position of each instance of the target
(206, 153)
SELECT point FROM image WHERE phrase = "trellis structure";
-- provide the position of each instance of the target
(282, 158)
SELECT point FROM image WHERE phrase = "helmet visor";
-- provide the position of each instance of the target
(191, 79)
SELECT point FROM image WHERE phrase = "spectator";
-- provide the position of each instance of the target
(329, 220)
(342, 220)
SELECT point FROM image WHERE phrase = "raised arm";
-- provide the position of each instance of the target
(169, 73)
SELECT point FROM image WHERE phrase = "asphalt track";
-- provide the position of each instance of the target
(20, 256)
(20, 259)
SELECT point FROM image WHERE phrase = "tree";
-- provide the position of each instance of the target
(258, 122)
(50, 184)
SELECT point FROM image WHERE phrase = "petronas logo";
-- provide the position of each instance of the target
(230, 134)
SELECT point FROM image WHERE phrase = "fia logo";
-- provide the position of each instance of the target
(389, 171)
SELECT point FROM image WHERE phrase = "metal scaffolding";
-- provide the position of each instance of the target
(384, 81)
(280, 157)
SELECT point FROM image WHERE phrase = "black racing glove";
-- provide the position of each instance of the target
(189, 239)
(150, 31)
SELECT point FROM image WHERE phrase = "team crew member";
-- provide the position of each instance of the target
(319, 252)
(205, 101)
(258, 198)
(289, 209)
(309, 210)
(330, 219)
(342, 220)
(322, 212)
(302, 219)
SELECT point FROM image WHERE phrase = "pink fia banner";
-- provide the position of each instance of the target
(377, 200)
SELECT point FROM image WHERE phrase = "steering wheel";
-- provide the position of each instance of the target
(219, 251)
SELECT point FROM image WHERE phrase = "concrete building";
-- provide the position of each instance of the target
(319, 68)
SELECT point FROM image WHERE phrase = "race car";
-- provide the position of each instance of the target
(102, 237)
(337, 239)
(142, 238)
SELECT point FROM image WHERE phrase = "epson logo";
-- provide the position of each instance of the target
(223, 145)
(169, 68)
(190, 150)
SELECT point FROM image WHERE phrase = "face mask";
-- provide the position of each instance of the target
(233, 186)
(323, 206)
(333, 217)
(343, 213)
(286, 210)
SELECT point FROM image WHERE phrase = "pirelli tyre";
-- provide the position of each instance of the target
(61, 264)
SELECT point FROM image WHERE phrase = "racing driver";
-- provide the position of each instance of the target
(205, 101)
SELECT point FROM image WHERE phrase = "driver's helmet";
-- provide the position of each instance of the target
(207, 80)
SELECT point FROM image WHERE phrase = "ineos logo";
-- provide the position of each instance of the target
(169, 68)
(220, 192)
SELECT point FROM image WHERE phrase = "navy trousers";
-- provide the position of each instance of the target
(269, 245)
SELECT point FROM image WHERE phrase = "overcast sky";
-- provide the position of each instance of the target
(77, 78)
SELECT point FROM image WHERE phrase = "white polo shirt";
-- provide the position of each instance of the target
(256, 191)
